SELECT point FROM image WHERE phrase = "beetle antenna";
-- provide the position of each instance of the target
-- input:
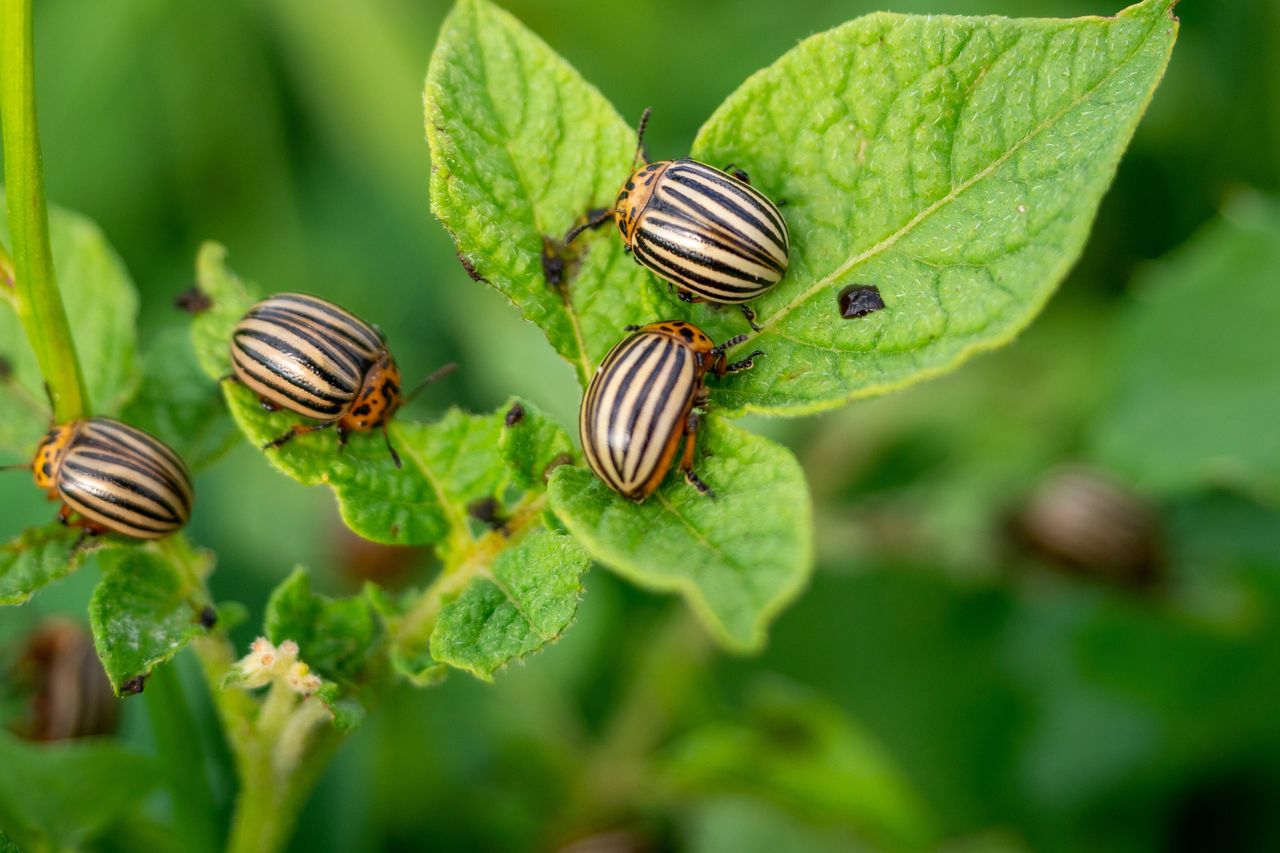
(640, 149)
(593, 220)
(435, 376)
(386, 436)
(21, 466)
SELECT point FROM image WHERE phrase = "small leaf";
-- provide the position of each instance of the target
(737, 559)
(524, 601)
(59, 796)
(954, 163)
(1198, 364)
(808, 757)
(147, 607)
(102, 308)
(532, 444)
(336, 636)
(36, 559)
(229, 299)
(521, 146)
(178, 404)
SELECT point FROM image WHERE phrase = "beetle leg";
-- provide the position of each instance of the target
(267, 405)
(745, 364)
(295, 431)
(690, 449)
(686, 296)
(229, 377)
(64, 515)
(751, 317)
(741, 175)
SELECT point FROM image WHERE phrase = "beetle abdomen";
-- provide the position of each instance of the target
(122, 479)
(712, 234)
(304, 354)
(634, 411)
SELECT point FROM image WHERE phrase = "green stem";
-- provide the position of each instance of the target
(39, 304)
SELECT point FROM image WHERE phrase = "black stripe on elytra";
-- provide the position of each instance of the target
(689, 276)
(662, 401)
(349, 341)
(729, 244)
(730, 230)
(717, 185)
(623, 382)
(121, 484)
(142, 446)
(271, 380)
(347, 385)
(339, 320)
(644, 401)
(146, 472)
(338, 352)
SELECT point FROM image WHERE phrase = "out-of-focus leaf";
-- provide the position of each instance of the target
(1197, 397)
(229, 298)
(525, 600)
(737, 559)
(102, 308)
(147, 607)
(742, 825)
(521, 146)
(59, 796)
(335, 636)
(809, 757)
(178, 404)
(35, 559)
(954, 163)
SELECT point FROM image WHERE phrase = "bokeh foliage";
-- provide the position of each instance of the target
(1024, 709)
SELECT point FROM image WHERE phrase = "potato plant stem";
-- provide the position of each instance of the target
(39, 304)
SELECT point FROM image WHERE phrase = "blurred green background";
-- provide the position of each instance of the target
(994, 654)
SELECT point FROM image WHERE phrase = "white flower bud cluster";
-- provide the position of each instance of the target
(266, 663)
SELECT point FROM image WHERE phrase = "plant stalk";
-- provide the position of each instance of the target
(39, 303)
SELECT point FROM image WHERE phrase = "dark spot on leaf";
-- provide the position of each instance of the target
(395, 530)
(514, 415)
(470, 268)
(6, 369)
(561, 459)
(193, 300)
(486, 511)
(552, 262)
(133, 686)
(859, 300)
(208, 617)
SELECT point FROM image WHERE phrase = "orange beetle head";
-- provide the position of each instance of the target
(378, 399)
(49, 455)
(635, 194)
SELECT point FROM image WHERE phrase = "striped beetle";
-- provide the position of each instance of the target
(644, 398)
(707, 232)
(115, 478)
(305, 354)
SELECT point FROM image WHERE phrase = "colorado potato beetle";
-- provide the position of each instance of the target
(308, 356)
(705, 231)
(112, 477)
(644, 399)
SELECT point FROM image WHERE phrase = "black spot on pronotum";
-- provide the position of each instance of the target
(486, 511)
(133, 686)
(859, 300)
(208, 618)
(514, 415)
(561, 459)
(470, 268)
(193, 300)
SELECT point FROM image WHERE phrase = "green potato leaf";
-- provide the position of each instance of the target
(523, 601)
(336, 636)
(147, 607)
(954, 163)
(521, 147)
(1198, 364)
(102, 307)
(36, 559)
(737, 559)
